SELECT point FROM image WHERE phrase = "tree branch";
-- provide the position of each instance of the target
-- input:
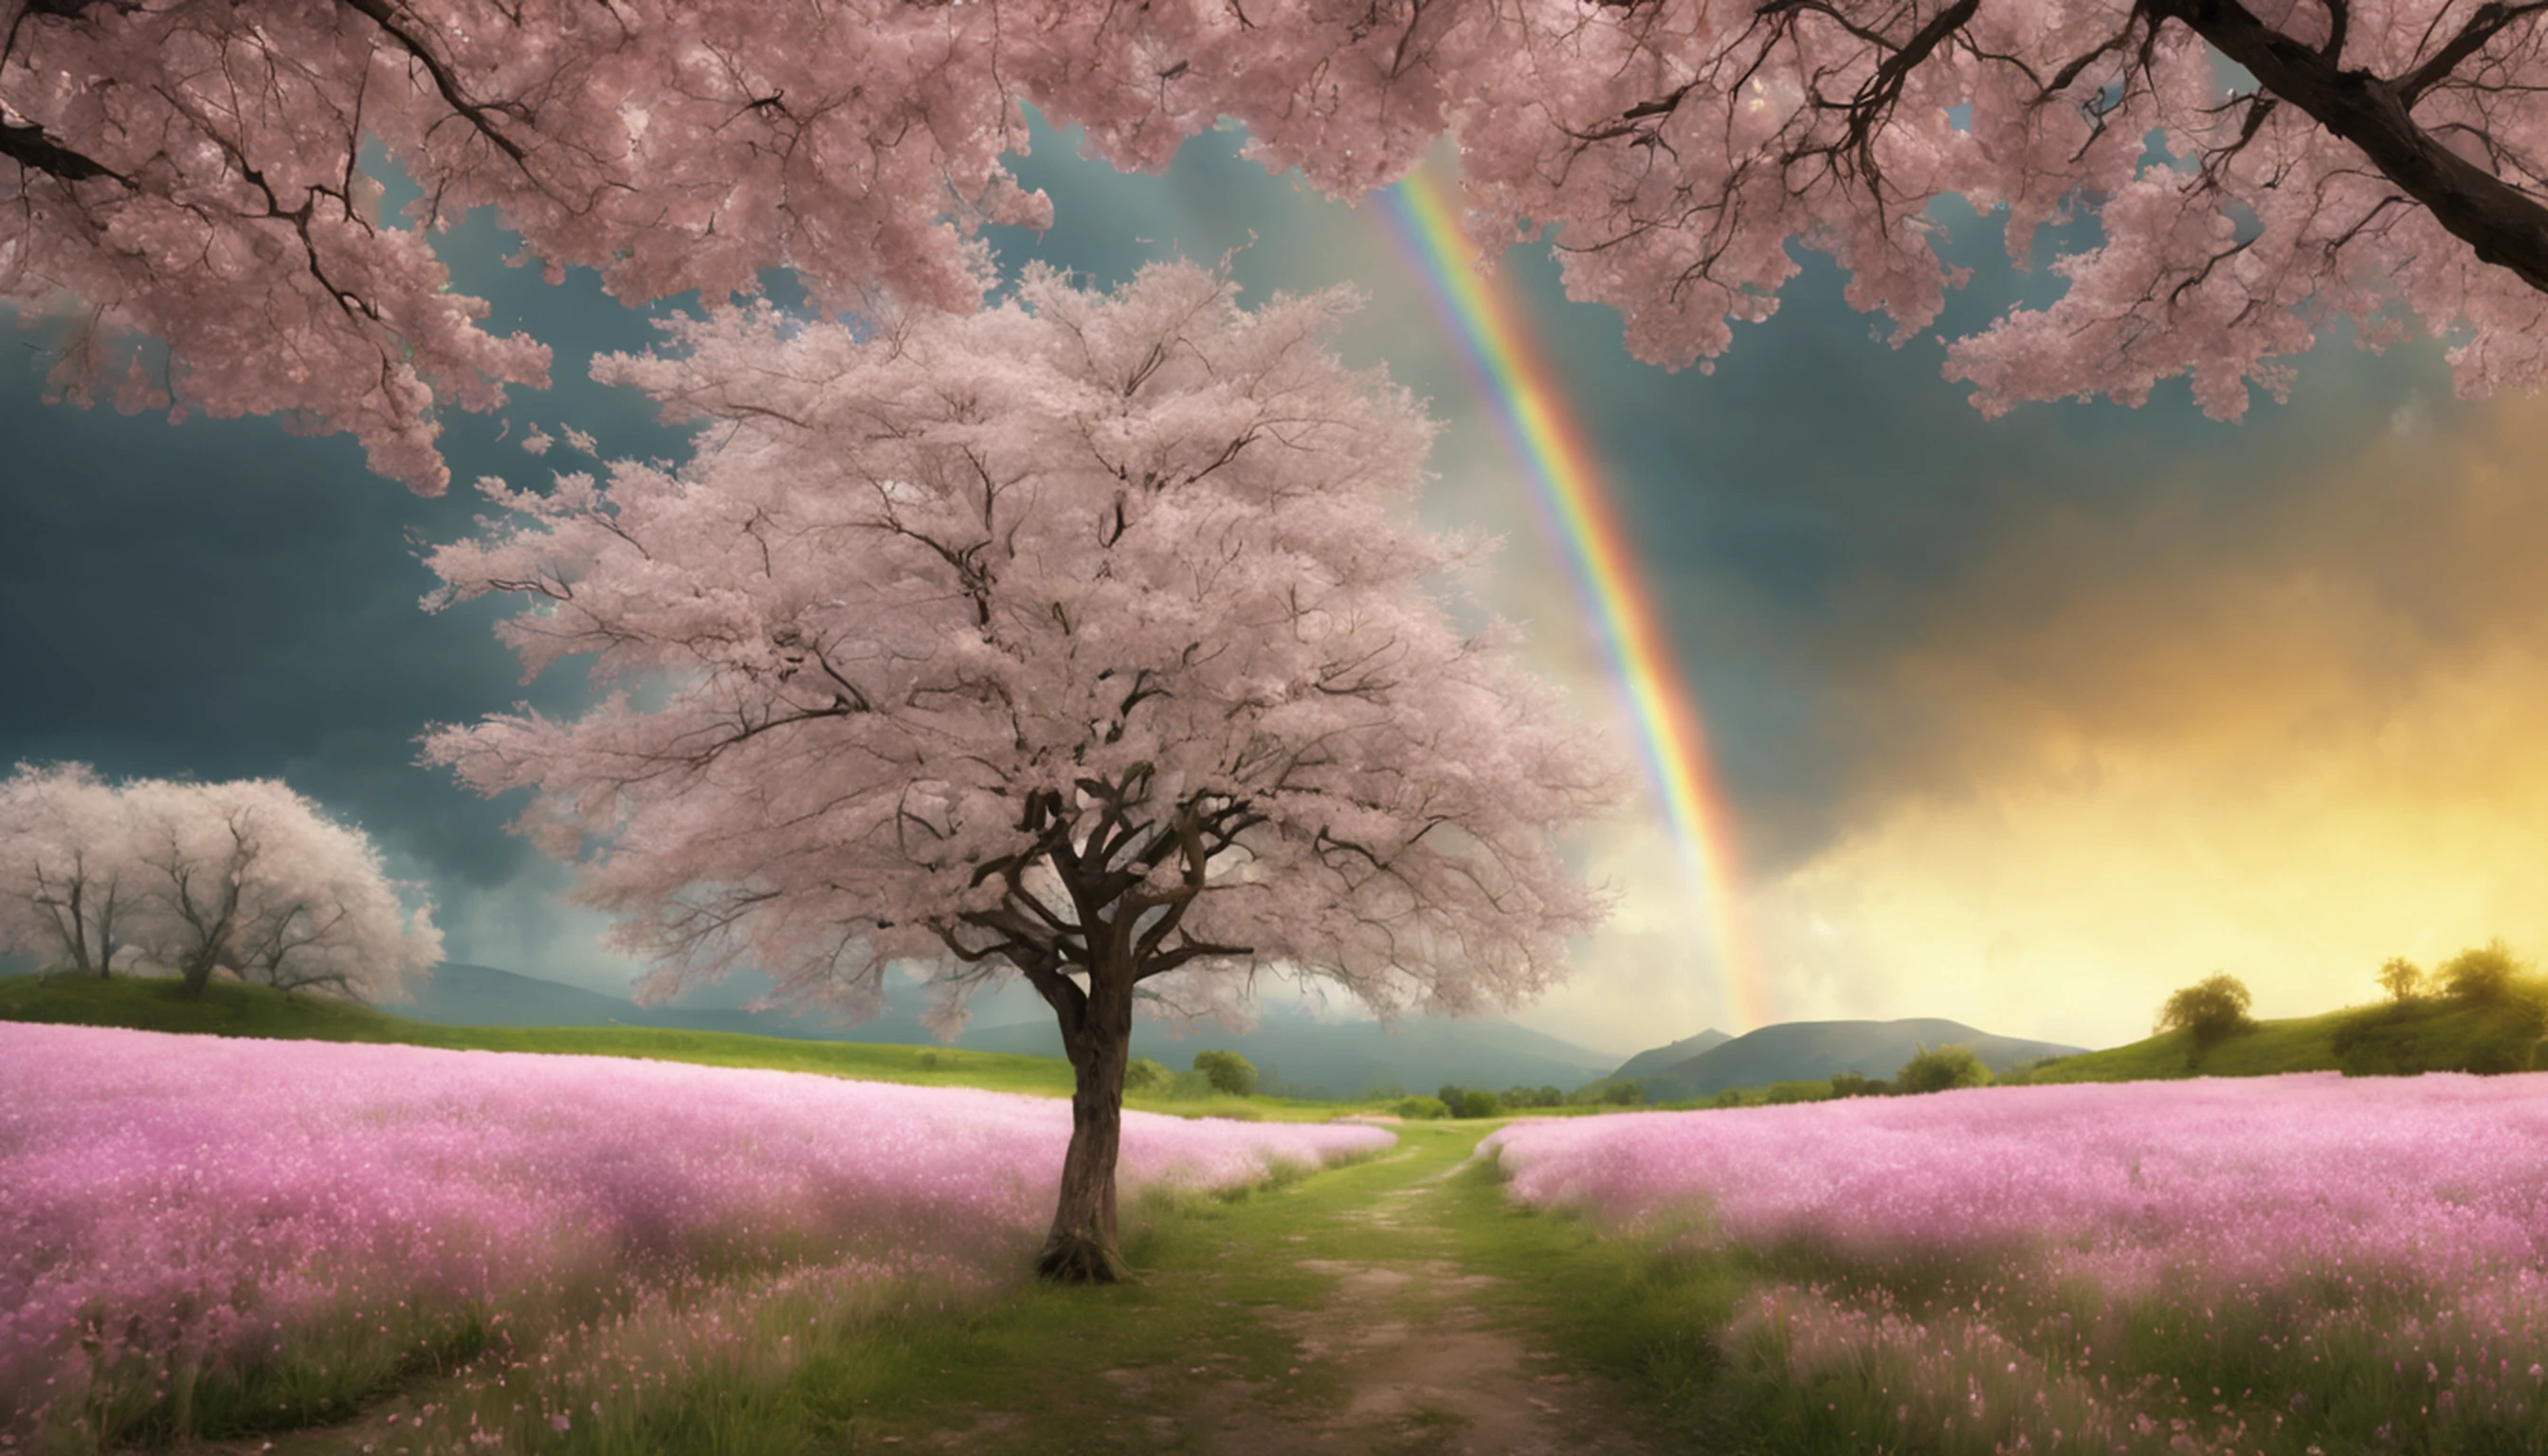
(2506, 226)
(30, 148)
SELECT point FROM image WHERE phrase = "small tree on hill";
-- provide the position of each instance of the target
(2403, 979)
(1082, 640)
(2483, 976)
(1229, 1074)
(2211, 1012)
(1942, 1069)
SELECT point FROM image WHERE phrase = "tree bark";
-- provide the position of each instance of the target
(1083, 1246)
(2504, 224)
(196, 975)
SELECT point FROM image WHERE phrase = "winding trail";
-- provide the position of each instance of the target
(1351, 1315)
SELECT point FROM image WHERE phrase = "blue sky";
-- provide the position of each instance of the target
(2021, 722)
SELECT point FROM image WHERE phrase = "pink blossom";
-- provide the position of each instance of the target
(205, 1197)
(2442, 1179)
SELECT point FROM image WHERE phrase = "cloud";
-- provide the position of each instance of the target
(2286, 736)
(2021, 722)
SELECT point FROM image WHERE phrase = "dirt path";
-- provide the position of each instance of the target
(1426, 1366)
(1385, 1342)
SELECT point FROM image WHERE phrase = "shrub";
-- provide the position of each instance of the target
(1942, 1069)
(1533, 1097)
(2403, 979)
(1188, 1085)
(2212, 1010)
(1228, 1072)
(1419, 1109)
(1479, 1105)
(1850, 1084)
(2480, 977)
(2405, 1038)
(1607, 1093)
(1142, 1074)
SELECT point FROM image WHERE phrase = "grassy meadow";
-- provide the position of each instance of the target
(231, 1009)
(687, 1255)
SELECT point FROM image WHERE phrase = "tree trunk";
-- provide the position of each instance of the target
(1083, 1247)
(197, 970)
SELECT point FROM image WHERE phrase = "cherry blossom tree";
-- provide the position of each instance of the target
(1082, 639)
(2325, 160)
(187, 170)
(250, 877)
(68, 876)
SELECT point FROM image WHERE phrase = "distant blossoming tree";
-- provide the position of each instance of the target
(188, 169)
(68, 873)
(197, 879)
(1081, 639)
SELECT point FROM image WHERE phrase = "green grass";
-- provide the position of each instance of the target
(229, 1009)
(1233, 1323)
(2384, 1039)
(2431, 1034)
(1237, 1319)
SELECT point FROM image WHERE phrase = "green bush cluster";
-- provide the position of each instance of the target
(1473, 1102)
(1942, 1069)
(1229, 1074)
(2481, 1011)
(1607, 1093)
(1938, 1069)
(1850, 1084)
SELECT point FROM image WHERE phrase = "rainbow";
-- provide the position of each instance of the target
(1529, 408)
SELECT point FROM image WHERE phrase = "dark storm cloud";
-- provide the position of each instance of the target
(220, 599)
(1809, 510)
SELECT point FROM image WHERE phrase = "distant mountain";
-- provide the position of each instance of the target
(463, 995)
(1804, 1050)
(1645, 1063)
(1290, 1049)
(1303, 1055)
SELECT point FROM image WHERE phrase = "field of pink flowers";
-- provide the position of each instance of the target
(2288, 1264)
(205, 1234)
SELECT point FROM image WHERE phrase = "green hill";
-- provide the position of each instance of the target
(1305, 1056)
(1808, 1051)
(2392, 1039)
(228, 1009)
(1659, 1058)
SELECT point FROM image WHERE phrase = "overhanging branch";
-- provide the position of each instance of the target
(2503, 224)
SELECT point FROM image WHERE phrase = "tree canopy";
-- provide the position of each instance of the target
(190, 170)
(2211, 1012)
(191, 879)
(1080, 639)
